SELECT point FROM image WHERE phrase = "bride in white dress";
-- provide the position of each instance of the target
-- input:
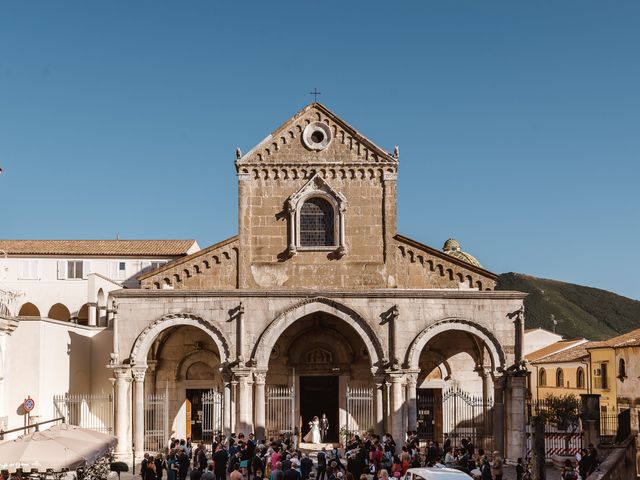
(314, 432)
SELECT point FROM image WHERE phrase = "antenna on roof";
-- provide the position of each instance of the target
(554, 322)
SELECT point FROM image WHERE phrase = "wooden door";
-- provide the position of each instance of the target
(188, 419)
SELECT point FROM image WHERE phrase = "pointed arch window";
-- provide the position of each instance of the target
(542, 378)
(559, 378)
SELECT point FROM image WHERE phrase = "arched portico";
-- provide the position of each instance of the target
(269, 336)
(477, 359)
(143, 343)
(496, 354)
(203, 376)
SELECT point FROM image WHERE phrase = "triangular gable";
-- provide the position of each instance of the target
(291, 130)
(314, 185)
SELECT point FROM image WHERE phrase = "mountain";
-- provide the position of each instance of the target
(580, 311)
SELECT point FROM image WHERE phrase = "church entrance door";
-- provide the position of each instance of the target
(318, 395)
(194, 413)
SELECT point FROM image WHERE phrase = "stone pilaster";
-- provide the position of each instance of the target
(516, 446)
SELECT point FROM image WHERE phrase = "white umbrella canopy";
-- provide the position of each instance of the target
(61, 446)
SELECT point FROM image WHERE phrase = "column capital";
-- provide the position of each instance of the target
(412, 379)
(121, 373)
(395, 377)
(260, 377)
(138, 373)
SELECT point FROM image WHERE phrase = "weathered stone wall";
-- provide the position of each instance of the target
(138, 310)
(277, 169)
(215, 267)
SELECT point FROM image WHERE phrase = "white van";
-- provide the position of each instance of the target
(435, 473)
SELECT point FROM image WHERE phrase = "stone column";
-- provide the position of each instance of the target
(245, 424)
(7, 326)
(516, 433)
(228, 414)
(343, 241)
(379, 406)
(92, 310)
(498, 414)
(412, 394)
(122, 412)
(397, 407)
(234, 405)
(138, 412)
(260, 401)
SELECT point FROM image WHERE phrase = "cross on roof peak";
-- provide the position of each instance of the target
(315, 94)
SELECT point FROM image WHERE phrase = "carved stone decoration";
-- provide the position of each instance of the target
(275, 352)
(316, 187)
(316, 136)
(319, 356)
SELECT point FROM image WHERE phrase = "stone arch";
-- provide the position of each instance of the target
(492, 345)
(29, 310)
(203, 355)
(144, 341)
(340, 345)
(270, 335)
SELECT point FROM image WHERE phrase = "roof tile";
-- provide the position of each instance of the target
(138, 248)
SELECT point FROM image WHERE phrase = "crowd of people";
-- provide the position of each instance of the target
(368, 457)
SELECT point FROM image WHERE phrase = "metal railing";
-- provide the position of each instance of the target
(36, 426)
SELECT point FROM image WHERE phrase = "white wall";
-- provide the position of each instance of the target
(47, 357)
(38, 280)
(539, 338)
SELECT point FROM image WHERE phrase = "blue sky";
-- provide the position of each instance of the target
(518, 122)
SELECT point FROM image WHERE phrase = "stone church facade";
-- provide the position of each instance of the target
(317, 295)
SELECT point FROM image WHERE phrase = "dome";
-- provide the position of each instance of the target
(451, 244)
(452, 247)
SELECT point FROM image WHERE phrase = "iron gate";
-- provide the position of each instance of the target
(280, 413)
(360, 409)
(156, 422)
(212, 415)
(94, 412)
(455, 414)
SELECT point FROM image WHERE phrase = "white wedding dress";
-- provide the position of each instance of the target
(314, 433)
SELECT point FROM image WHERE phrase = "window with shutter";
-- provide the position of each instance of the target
(86, 268)
(28, 270)
(62, 269)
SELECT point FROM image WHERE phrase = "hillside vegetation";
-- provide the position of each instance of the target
(580, 311)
